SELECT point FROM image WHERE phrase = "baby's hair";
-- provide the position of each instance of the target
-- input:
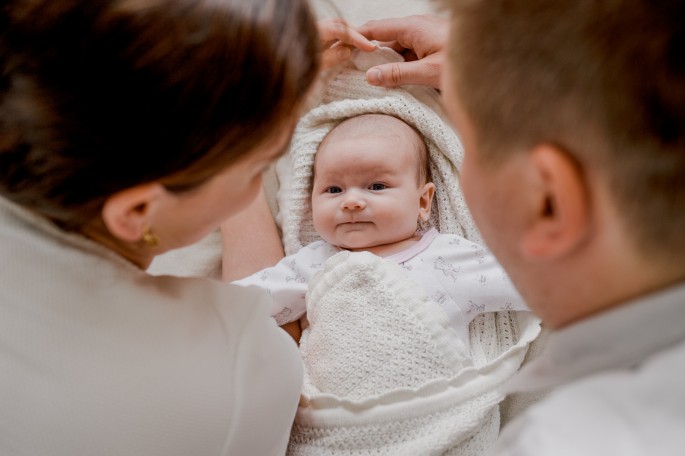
(384, 125)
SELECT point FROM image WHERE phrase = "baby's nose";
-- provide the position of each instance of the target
(353, 202)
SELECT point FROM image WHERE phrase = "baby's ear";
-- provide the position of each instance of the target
(426, 201)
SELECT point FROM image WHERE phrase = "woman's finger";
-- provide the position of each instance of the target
(335, 55)
(334, 30)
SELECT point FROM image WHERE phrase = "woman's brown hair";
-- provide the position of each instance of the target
(101, 95)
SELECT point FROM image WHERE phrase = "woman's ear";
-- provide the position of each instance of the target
(129, 213)
(561, 212)
(426, 201)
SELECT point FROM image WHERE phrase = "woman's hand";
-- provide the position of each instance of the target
(338, 39)
(421, 40)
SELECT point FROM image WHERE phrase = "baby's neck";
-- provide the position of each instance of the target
(385, 250)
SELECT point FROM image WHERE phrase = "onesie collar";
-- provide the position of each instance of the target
(409, 253)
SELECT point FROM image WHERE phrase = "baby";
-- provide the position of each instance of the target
(371, 192)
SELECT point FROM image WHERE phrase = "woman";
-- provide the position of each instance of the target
(129, 128)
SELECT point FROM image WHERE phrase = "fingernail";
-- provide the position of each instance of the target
(373, 77)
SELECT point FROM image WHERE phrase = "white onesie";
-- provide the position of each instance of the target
(463, 277)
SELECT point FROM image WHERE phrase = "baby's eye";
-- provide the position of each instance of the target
(377, 187)
(333, 190)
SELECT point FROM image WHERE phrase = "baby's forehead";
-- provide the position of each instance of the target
(399, 137)
(370, 125)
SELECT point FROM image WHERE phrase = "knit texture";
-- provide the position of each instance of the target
(383, 372)
(348, 95)
(359, 296)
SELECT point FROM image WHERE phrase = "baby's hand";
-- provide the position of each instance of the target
(338, 39)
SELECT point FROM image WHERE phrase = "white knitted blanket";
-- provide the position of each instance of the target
(383, 374)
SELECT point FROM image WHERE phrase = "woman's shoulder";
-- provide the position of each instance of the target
(208, 301)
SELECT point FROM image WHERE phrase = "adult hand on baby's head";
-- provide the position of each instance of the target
(337, 40)
(422, 40)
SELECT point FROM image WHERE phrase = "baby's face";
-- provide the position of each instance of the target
(365, 191)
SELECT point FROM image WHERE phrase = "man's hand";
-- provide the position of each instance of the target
(421, 40)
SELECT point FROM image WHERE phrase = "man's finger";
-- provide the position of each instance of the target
(395, 74)
(384, 29)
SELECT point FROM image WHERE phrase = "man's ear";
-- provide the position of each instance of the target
(426, 201)
(129, 213)
(561, 217)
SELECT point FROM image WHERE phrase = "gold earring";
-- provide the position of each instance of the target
(150, 238)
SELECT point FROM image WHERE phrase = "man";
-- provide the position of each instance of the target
(572, 115)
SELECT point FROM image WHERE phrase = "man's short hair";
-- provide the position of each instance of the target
(602, 80)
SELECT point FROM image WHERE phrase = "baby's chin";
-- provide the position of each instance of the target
(350, 241)
(353, 246)
(383, 248)
(373, 247)
(355, 242)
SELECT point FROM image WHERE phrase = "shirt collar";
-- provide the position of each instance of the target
(409, 253)
(620, 337)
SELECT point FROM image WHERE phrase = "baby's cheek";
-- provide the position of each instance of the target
(404, 222)
(321, 223)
